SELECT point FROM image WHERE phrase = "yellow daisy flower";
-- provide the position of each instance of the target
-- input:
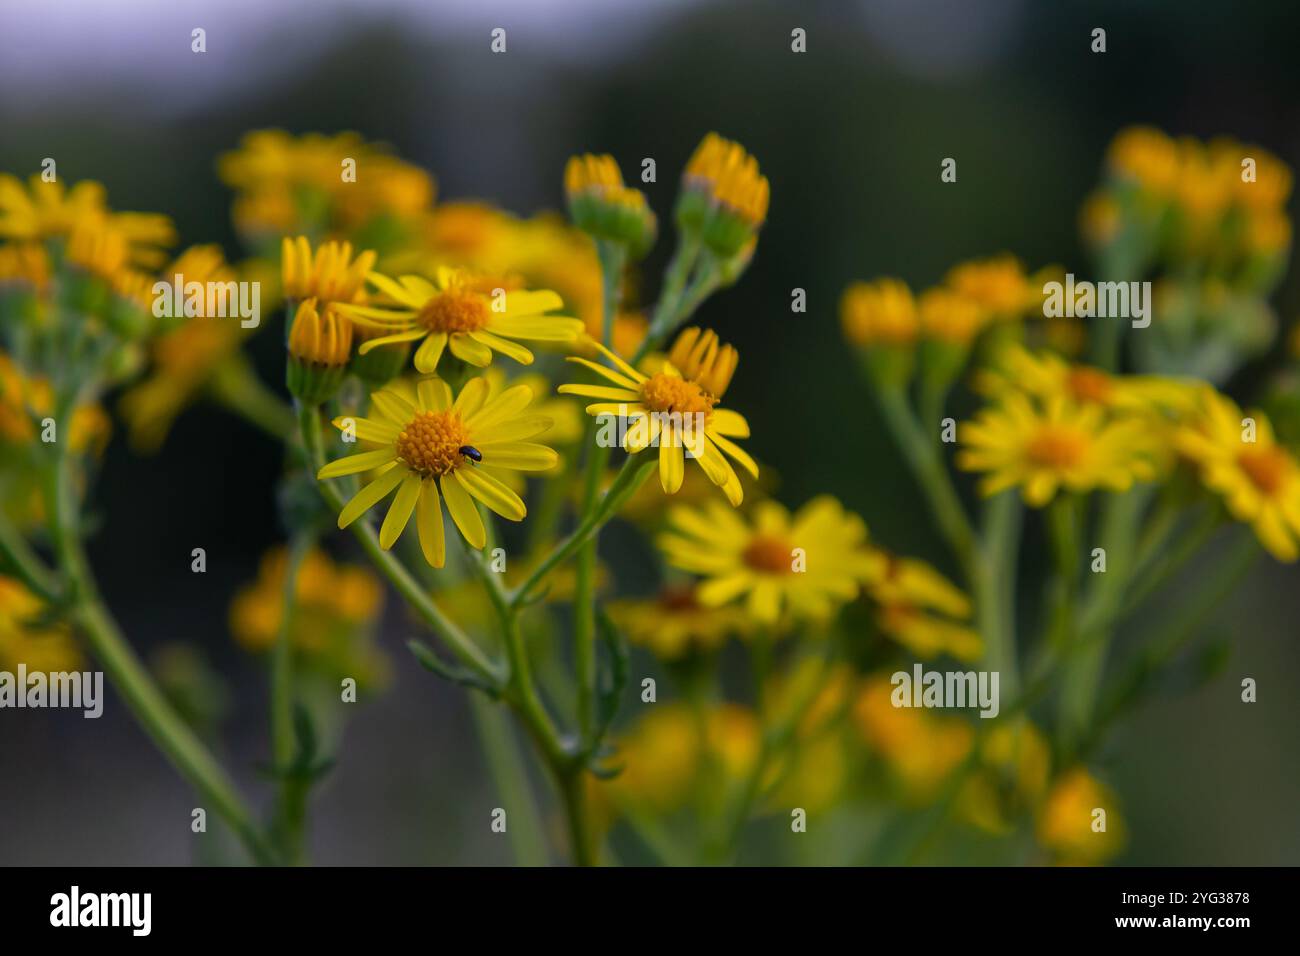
(674, 622)
(435, 443)
(920, 748)
(802, 566)
(455, 312)
(1065, 823)
(676, 409)
(1061, 444)
(46, 210)
(923, 610)
(1259, 481)
(999, 285)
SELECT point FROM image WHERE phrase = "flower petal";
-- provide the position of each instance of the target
(371, 495)
(463, 512)
(429, 353)
(428, 523)
(357, 463)
(466, 349)
(399, 512)
(492, 493)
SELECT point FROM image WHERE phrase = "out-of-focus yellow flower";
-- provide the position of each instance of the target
(1060, 444)
(336, 608)
(455, 313)
(1015, 763)
(924, 611)
(1145, 157)
(800, 567)
(661, 755)
(920, 748)
(998, 285)
(1258, 480)
(950, 317)
(673, 623)
(436, 443)
(25, 400)
(1100, 219)
(43, 648)
(24, 263)
(47, 210)
(676, 411)
(882, 312)
(1067, 820)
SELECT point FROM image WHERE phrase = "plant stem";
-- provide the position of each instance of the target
(994, 575)
(506, 766)
(292, 795)
(130, 677)
(236, 387)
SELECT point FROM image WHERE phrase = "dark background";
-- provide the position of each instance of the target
(850, 134)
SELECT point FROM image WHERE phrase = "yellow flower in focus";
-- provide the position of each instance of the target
(674, 623)
(801, 566)
(456, 314)
(436, 443)
(1258, 480)
(882, 312)
(921, 749)
(601, 205)
(676, 409)
(331, 274)
(1059, 445)
(1067, 819)
(43, 648)
(723, 196)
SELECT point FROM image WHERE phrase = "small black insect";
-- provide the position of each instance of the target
(470, 452)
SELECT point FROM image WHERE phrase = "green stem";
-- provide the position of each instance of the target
(130, 677)
(292, 793)
(236, 387)
(927, 465)
(20, 559)
(506, 766)
(994, 575)
(668, 313)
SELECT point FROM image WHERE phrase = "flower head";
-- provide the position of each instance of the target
(802, 566)
(724, 197)
(1065, 822)
(923, 610)
(882, 312)
(673, 622)
(428, 443)
(320, 344)
(1059, 445)
(676, 411)
(1258, 479)
(330, 274)
(458, 313)
(48, 210)
(602, 206)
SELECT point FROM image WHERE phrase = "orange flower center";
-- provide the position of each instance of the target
(678, 599)
(668, 393)
(1056, 448)
(1091, 385)
(430, 443)
(1266, 468)
(454, 311)
(769, 554)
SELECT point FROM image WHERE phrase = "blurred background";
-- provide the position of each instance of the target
(850, 134)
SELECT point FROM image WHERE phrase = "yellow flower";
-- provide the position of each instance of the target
(1014, 766)
(729, 176)
(882, 312)
(1066, 822)
(26, 399)
(457, 313)
(1061, 444)
(434, 443)
(921, 748)
(676, 408)
(674, 622)
(331, 274)
(950, 317)
(47, 210)
(998, 285)
(1146, 157)
(923, 610)
(1258, 480)
(336, 608)
(45, 648)
(802, 566)
(24, 263)
(317, 339)
(601, 205)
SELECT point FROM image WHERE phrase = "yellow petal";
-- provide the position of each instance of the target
(357, 463)
(399, 512)
(429, 353)
(463, 512)
(370, 495)
(492, 493)
(428, 523)
(672, 465)
(466, 349)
